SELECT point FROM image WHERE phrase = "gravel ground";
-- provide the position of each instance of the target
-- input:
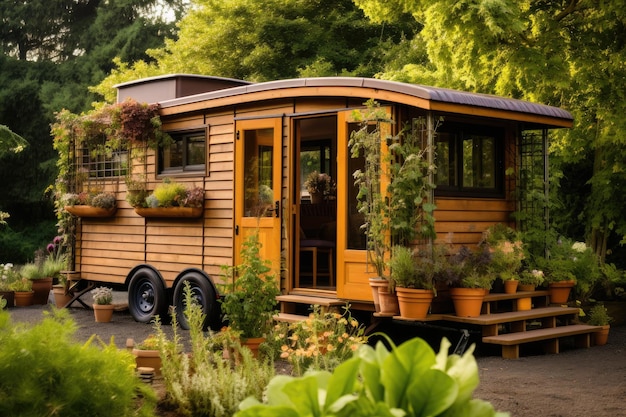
(574, 383)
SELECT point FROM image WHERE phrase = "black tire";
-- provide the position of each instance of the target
(203, 293)
(146, 295)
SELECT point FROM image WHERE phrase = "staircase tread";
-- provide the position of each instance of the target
(305, 299)
(506, 317)
(540, 334)
(289, 318)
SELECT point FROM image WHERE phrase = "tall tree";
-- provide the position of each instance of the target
(566, 53)
(260, 40)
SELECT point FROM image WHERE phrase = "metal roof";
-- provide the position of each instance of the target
(435, 94)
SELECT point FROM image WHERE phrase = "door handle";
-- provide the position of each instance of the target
(277, 208)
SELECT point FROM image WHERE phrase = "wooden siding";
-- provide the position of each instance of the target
(462, 221)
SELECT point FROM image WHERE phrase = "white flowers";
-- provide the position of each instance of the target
(579, 247)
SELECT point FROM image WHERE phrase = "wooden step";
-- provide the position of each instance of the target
(289, 318)
(288, 302)
(491, 300)
(511, 341)
(517, 319)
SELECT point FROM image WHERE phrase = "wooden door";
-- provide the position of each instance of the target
(258, 167)
(353, 269)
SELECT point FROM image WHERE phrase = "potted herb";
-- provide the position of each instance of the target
(599, 316)
(102, 304)
(412, 277)
(320, 187)
(172, 199)
(147, 354)
(23, 292)
(530, 279)
(249, 303)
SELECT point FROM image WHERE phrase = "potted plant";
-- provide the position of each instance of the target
(599, 316)
(412, 277)
(172, 199)
(102, 304)
(507, 254)
(320, 187)
(90, 204)
(529, 280)
(469, 277)
(41, 284)
(7, 277)
(249, 303)
(23, 292)
(394, 188)
(147, 354)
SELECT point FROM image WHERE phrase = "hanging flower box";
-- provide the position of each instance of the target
(169, 212)
(90, 211)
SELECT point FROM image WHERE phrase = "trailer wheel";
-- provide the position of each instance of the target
(203, 294)
(146, 295)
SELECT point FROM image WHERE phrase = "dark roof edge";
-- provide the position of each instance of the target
(178, 75)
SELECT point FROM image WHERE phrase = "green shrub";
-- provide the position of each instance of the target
(205, 383)
(410, 380)
(170, 194)
(44, 373)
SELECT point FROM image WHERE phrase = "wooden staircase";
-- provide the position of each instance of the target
(500, 322)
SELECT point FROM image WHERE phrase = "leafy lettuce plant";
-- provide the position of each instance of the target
(408, 380)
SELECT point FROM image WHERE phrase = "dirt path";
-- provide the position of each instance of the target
(575, 383)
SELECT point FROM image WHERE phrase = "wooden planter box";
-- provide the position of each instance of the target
(169, 212)
(90, 211)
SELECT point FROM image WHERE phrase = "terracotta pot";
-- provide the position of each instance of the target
(414, 303)
(90, 211)
(526, 287)
(375, 283)
(388, 301)
(524, 304)
(510, 286)
(61, 298)
(148, 359)
(23, 298)
(253, 344)
(559, 291)
(42, 288)
(468, 302)
(170, 212)
(9, 296)
(602, 336)
(103, 312)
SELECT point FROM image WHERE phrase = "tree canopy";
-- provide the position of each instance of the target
(569, 54)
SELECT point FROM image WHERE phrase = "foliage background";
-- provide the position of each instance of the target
(569, 54)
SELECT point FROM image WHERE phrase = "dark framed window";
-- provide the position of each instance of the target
(470, 162)
(187, 153)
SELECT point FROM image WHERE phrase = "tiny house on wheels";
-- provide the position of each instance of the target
(249, 143)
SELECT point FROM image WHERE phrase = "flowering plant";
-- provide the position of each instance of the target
(534, 277)
(173, 194)
(102, 295)
(321, 342)
(7, 276)
(104, 200)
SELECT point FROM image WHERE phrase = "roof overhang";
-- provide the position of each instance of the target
(429, 98)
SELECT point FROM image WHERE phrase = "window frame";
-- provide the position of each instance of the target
(458, 133)
(185, 168)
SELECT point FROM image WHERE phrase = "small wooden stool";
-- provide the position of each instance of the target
(315, 246)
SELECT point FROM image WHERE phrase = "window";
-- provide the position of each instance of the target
(104, 166)
(469, 162)
(187, 153)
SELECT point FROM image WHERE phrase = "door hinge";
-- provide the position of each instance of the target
(237, 135)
